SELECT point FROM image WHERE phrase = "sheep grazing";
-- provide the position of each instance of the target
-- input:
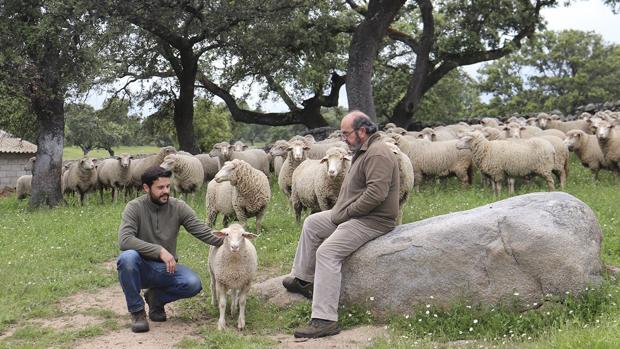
(23, 186)
(316, 183)
(138, 166)
(407, 180)
(210, 165)
(187, 173)
(509, 158)
(436, 159)
(114, 173)
(81, 177)
(296, 153)
(587, 149)
(232, 267)
(609, 141)
(238, 189)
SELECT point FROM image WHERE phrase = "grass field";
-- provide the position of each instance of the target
(47, 255)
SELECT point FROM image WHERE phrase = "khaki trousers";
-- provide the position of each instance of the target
(322, 248)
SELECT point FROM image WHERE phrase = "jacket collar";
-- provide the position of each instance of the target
(366, 144)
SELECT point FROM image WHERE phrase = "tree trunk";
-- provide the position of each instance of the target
(47, 172)
(364, 47)
(184, 105)
(110, 151)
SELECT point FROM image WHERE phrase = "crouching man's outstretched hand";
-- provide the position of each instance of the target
(166, 257)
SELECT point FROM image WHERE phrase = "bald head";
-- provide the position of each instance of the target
(353, 120)
(356, 128)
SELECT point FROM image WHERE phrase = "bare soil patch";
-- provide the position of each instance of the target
(358, 337)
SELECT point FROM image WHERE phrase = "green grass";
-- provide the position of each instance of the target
(72, 153)
(49, 254)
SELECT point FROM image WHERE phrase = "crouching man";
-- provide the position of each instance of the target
(367, 207)
(148, 239)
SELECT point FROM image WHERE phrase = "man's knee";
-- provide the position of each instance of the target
(192, 284)
(129, 259)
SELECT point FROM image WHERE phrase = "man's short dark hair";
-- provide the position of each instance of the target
(154, 173)
(362, 120)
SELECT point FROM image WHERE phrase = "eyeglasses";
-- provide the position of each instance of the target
(346, 134)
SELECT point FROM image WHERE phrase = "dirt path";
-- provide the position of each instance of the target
(76, 310)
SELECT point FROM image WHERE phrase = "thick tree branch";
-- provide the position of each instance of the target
(280, 91)
(357, 8)
(331, 100)
(405, 39)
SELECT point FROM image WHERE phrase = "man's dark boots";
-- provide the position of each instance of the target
(157, 312)
(318, 328)
(295, 285)
(139, 322)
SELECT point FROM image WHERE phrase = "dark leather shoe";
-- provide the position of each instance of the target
(157, 312)
(317, 328)
(139, 322)
(294, 285)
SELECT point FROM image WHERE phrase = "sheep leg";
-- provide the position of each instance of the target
(298, 208)
(212, 216)
(242, 300)
(221, 291)
(82, 198)
(497, 186)
(213, 286)
(259, 220)
(234, 301)
(549, 179)
(101, 194)
(114, 194)
(511, 186)
(594, 173)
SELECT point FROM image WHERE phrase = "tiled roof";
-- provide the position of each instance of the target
(11, 144)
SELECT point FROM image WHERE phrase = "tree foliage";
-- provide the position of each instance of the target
(558, 70)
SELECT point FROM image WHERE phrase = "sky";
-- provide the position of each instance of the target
(590, 15)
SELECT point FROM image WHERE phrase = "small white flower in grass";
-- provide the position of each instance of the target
(407, 316)
(471, 329)
(516, 293)
(570, 312)
(419, 320)
(368, 312)
(431, 297)
(435, 315)
(567, 292)
(350, 314)
(529, 338)
(468, 306)
(460, 332)
(535, 304)
(475, 321)
(428, 305)
(427, 312)
(548, 313)
(372, 299)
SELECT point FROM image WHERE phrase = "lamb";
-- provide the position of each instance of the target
(81, 177)
(545, 121)
(316, 183)
(609, 141)
(407, 180)
(436, 159)
(587, 149)
(187, 173)
(23, 186)
(210, 165)
(507, 158)
(238, 189)
(232, 267)
(114, 173)
(138, 166)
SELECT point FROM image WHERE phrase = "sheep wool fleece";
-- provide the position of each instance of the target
(367, 208)
(147, 227)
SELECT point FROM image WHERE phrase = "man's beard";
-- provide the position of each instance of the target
(157, 199)
(357, 145)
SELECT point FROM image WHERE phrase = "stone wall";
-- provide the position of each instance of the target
(12, 167)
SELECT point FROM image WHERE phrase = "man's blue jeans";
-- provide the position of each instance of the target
(136, 273)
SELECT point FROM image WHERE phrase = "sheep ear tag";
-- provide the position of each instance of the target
(250, 236)
(220, 234)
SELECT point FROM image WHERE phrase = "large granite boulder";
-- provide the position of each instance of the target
(520, 248)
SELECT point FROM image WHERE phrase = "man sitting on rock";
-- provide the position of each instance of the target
(367, 207)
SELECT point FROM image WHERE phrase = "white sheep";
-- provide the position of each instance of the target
(257, 158)
(316, 183)
(318, 150)
(515, 130)
(138, 166)
(114, 173)
(407, 179)
(81, 177)
(278, 153)
(23, 186)
(587, 149)
(436, 159)
(609, 141)
(187, 173)
(232, 267)
(507, 158)
(438, 134)
(295, 154)
(546, 121)
(239, 146)
(238, 190)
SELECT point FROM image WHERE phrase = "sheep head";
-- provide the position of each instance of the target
(297, 148)
(279, 148)
(239, 146)
(337, 161)
(234, 237)
(227, 172)
(124, 160)
(169, 162)
(165, 151)
(87, 164)
(603, 129)
(573, 137)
